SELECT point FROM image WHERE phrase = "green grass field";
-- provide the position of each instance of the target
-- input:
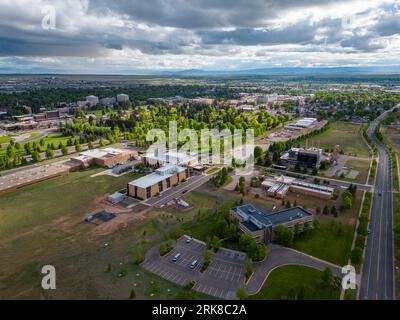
(393, 135)
(328, 244)
(362, 166)
(293, 277)
(4, 139)
(347, 135)
(55, 138)
(332, 240)
(43, 224)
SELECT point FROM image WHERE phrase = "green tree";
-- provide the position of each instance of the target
(64, 150)
(327, 277)
(242, 294)
(207, 258)
(162, 249)
(36, 156)
(258, 151)
(283, 236)
(356, 255)
(78, 147)
(49, 153)
(248, 266)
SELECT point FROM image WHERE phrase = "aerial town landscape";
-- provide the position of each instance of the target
(189, 184)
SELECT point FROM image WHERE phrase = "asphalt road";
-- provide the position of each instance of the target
(377, 279)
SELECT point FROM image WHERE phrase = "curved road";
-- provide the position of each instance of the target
(377, 279)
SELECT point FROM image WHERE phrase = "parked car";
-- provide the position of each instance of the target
(194, 264)
(176, 257)
(188, 239)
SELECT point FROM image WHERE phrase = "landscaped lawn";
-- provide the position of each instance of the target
(283, 279)
(327, 243)
(347, 135)
(56, 138)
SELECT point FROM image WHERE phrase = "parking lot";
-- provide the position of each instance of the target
(221, 279)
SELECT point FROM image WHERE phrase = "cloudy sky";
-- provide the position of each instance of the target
(102, 36)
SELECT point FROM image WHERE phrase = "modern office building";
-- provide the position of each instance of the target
(305, 157)
(160, 180)
(260, 224)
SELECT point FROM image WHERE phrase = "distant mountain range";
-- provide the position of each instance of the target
(294, 71)
(287, 71)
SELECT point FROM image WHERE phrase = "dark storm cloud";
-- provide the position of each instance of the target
(182, 27)
(204, 14)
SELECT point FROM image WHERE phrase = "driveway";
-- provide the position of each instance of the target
(226, 272)
(280, 256)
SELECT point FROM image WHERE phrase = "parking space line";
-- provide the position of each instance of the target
(239, 276)
(229, 272)
(234, 273)
(223, 272)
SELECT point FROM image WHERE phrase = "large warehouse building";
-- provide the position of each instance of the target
(157, 182)
(261, 224)
(106, 157)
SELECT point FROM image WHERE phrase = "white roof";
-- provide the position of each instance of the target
(172, 157)
(101, 153)
(157, 176)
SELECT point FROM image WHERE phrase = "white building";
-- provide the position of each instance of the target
(122, 97)
(161, 158)
(92, 100)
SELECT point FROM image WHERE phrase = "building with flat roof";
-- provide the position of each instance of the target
(160, 180)
(106, 157)
(162, 157)
(278, 187)
(260, 224)
(305, 157)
